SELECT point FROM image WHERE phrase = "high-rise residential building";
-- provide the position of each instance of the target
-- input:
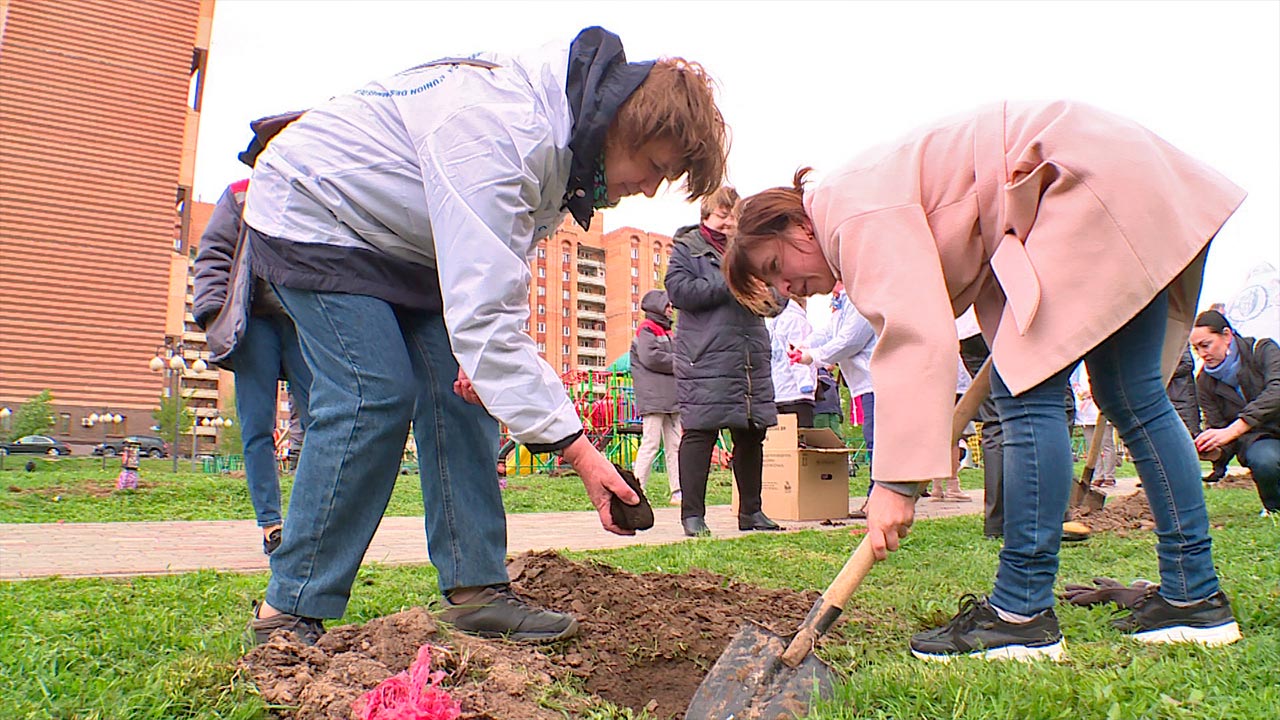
(637, 263)
(584, 301)
(99, 110)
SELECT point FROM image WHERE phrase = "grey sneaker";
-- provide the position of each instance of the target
(307, 630)
(1209, 622)
(497, 612)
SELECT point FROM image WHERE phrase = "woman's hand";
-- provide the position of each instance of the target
(463, 388)
(1214, 438)
(601, 481)
(889, 518)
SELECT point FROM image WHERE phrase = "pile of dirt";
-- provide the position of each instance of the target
(1235, 481)
(646, 642)
(1120, 515)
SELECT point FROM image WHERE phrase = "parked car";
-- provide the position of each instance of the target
(35, 445)
(152, 446)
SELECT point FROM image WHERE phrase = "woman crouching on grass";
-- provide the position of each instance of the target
(1075, 234)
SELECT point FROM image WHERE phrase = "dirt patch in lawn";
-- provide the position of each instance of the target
(1120, 515)
(646, 641)
(93, 487)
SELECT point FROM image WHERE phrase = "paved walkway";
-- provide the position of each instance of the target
(32, 550)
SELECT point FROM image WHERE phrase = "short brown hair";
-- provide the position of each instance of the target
(724, 198)
(677, 103)
(761, 219)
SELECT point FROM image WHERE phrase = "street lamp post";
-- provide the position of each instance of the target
(105, 419)
(217, 423)
(169, 359)
(5, 413)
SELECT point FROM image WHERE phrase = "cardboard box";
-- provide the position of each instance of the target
(806, 473)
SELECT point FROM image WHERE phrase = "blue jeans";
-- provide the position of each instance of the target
(1262, 457)
(1125, 377)
(869, 432)
(376, 368)
(268, 352)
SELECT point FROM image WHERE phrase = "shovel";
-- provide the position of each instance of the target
(762, 676)
(1083, 494)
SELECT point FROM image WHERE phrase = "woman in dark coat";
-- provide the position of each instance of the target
(1239, 391)
(722, 369)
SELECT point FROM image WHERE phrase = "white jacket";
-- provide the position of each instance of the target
(848, 341)
(792, 382)
(1086, 409)
(460, 168)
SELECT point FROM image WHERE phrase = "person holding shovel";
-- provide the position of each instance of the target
(1075, 234)
(396, 224)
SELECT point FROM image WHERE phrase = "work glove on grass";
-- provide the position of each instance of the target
(1106, 590)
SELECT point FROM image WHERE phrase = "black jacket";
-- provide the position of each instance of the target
(1182, 392)
(722, 365)
(1259, 378)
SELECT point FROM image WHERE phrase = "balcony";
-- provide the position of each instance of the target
(585, 262)
(587, 313)
(589, 332)
(593, 279)
(592, 351)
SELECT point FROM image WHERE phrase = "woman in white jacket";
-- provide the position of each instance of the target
(396, 224)
(794, 383)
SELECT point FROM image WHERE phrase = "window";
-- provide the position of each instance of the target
(542, 347)
(655, 276)
(634, 325)
(564, 294)
(542, 253)
(542, 327)
(635, 289)
(525, 326)
(64, 423)
(635, 253)
(564, 258)
(542, 272)
(635, 307)
(542, 309)
(566, 312)
(542, 291)
(195, 92)
(657, 256)
(564, 367)
(635, 272)
(564, 349)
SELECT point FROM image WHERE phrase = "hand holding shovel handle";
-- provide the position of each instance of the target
(828, 607)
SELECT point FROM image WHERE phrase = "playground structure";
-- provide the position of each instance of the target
(606, 402)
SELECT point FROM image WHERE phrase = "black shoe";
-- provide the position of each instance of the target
(497, 612)
(1154, 620)
(977, 631)
(307, 630)
(1213, 477)
(272, 541)
(756, 521)
(695, 527)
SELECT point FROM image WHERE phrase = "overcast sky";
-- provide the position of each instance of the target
(812, 83)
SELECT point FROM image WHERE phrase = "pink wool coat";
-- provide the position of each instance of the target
(1057, 222)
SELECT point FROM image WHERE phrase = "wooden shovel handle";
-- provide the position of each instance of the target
(832, 602)
(1095, 449)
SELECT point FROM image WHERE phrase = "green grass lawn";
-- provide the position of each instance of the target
(78, 490)
(165, 647)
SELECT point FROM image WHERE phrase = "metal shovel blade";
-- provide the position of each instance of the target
(1084, 496)
(750, 681)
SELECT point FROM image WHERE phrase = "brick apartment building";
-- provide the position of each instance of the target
(99, 110)
(584, 302)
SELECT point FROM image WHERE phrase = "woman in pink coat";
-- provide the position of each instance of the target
(1074, 234)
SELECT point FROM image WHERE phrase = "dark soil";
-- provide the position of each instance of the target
(1123, 515)
(646, 642)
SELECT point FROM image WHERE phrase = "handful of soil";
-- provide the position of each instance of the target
(631, 517)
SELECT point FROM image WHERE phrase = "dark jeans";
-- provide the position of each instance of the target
(695, 465)
(268, 352)
(1263, 460)
(1124, 371)
(869, 431)
(973, 351)
(801, 409)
